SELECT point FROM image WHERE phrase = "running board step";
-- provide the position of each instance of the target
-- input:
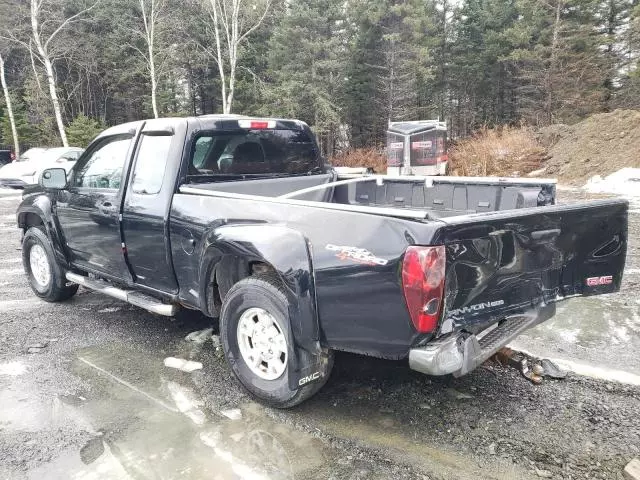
(477, 350)
(138, 299)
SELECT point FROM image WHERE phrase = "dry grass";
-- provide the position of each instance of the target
(508, 151)
(362, 157)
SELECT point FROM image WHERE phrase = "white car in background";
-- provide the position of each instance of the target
(31, 153)
(26, 170)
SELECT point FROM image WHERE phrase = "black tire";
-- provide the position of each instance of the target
(265, 292)
(56, 289)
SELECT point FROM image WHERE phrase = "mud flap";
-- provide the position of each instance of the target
(309, 367)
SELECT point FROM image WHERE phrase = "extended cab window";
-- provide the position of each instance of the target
(151, 163)
(102, 167)
(253, 152)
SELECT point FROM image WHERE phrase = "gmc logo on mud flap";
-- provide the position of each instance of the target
(309, 378)
(596, 281)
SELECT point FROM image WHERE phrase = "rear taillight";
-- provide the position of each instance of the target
(13, 156)
(423, 275)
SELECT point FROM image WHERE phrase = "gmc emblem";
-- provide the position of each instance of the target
(595, 281)
(309, 378)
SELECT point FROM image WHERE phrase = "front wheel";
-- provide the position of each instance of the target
(255, 338)
(46, 277)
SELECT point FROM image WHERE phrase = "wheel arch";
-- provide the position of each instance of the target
(240, 251)
(39, 212)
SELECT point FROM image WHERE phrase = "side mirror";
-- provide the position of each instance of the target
(53, 179)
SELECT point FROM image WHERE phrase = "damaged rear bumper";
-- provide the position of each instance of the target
(459, 353)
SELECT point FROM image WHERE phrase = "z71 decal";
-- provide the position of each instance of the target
(358, 255)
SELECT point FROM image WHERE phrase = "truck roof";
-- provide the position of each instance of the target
(210, 121)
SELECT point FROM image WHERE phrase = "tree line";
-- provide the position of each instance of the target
(346, 67)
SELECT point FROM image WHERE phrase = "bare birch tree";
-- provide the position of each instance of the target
(40, 47)
(151, 11)
(7, 101)
(232, 22)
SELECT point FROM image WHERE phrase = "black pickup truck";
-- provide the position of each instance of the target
(241, 219)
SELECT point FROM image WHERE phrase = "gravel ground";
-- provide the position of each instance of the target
(95, 401)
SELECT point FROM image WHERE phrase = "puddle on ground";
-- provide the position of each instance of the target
(148, 422)
(603, 331)
(15, 402)
(589, 321)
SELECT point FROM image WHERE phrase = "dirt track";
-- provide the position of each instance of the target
(97, 402)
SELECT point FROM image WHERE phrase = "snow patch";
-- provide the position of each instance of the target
(187, 402)
(570, 336)
(232, 414)
(12, 369)
(199, 336)
(625, 181)
(622, 334)
(109, 310)
(180, 364)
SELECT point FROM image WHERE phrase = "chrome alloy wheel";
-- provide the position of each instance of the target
(262, 343)
(39, 263)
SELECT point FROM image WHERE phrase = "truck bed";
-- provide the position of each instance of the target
(508, 249)
(437, 197)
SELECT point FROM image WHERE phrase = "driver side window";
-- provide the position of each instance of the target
(103, 165)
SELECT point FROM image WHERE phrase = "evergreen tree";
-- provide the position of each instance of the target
(364, 107)
(306, 67)
(482, 78)
(561, 68)
(82, 130)
(27, 134)
(345, 67)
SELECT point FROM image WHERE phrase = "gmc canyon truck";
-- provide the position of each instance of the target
(241, 219)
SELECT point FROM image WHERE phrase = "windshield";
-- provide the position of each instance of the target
(272, 151)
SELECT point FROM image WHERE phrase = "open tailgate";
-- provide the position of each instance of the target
(517, 261)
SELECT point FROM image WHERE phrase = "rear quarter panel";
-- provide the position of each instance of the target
(355, 263)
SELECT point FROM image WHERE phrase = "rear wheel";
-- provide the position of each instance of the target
(255, 337)
(46, 277)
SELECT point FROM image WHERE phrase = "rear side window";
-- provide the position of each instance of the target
(151, 163)
(253, 152)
